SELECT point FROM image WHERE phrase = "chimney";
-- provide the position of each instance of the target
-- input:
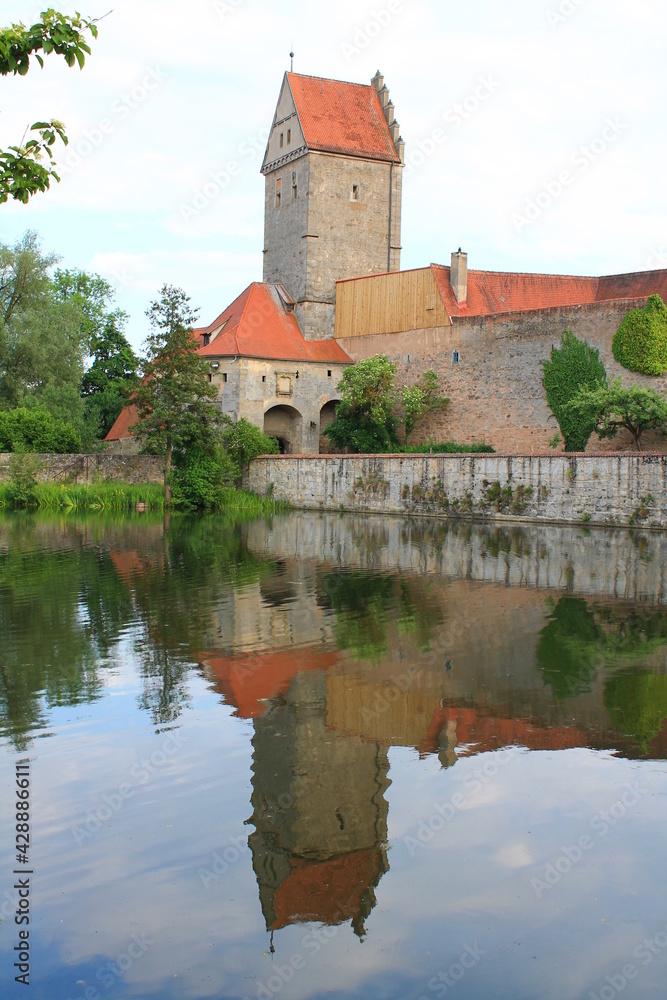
(458, 276)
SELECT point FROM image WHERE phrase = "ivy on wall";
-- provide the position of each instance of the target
(572, 367)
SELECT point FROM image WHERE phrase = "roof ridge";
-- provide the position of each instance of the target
(330, 79)
(535, 274)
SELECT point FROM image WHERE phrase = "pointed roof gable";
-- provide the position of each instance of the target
(258, 325)
(338, 117)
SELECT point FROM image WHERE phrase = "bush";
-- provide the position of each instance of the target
(21, 490)
(361, 435)
(574, 367)
(449, 448)
(640, 343)
(36, 430)
(199, 478)
(243, 441)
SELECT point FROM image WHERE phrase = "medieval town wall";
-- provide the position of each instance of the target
(611, 490)
(127, 469)
(495, 390)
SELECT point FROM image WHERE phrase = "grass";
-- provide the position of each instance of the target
(118, 498)
(447, 448)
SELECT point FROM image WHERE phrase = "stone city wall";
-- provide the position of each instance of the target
(613, 490)
(495, 389)
(91, 468)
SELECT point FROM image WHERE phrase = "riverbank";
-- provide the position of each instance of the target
(619, 490)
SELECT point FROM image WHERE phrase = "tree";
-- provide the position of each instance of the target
(576, 365)
(22, 172)
(113, 373)
(175, 400)
(640, 343)
(244, 441)
(37, 430)
(42, 340)
(421, 399)
(611, 407)
(365, 420)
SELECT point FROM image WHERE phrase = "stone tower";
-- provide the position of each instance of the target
(333, 173)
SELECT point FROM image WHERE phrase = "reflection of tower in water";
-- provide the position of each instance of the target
(319, 812)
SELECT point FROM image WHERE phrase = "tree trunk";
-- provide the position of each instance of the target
(167, 470)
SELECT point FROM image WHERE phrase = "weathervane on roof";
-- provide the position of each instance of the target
(291, 55)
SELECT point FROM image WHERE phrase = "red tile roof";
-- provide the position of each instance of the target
(121, 427)
(338, 117)
(495, 292)
(257, 325)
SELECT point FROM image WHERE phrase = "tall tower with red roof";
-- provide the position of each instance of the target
(333, 172)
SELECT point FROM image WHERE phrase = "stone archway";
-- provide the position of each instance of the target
(285, 424)
(327, 414)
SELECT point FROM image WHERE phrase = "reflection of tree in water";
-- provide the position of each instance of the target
(175, 594)
(59, 615)
(637, 703)
(68, 589)
(366, 603)
(581, 638)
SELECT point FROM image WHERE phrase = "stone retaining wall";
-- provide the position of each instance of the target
(617, 490)
(90, 468)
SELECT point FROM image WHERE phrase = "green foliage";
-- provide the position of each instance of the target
(365, 420)
(36, 430)
(448, 448)
(175, 400)
(611, 407)
(199, 478)
(420, 399)
(243, 441)
(640, 343)
(42, 337)
(574, 366)
(106, 497)
(22, 171)
(20, 491)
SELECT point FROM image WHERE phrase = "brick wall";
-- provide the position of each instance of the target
(598, 489)
(496, 389)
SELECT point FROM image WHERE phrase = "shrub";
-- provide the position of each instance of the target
(199, 478)
(575, 366)
(243, 441)
(640, 343)
(36, 430)
(21, 489)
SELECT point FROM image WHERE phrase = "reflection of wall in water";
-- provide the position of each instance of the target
(319, 812)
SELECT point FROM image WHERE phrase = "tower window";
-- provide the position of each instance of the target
(294, 192)
(210, 377)
(329, 373)
(279, 184)
(282, 139)
(456, 357)
(224, 376)
(355, 192)
(289, 136)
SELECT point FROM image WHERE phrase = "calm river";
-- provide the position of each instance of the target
(331, 756)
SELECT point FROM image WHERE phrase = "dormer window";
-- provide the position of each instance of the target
(207, 339)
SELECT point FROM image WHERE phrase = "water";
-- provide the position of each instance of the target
(334, 757)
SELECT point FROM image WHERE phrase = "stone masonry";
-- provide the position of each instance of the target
(610, 490)
(495, 389)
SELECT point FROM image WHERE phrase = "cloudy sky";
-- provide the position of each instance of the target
(535, 133)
